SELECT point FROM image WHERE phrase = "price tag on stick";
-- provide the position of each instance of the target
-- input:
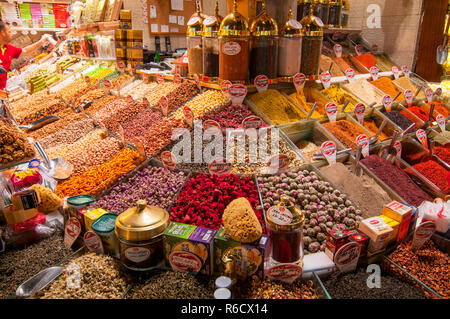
(168, 159)
(422, 233)
(360, 110)
(346, 258)
(429, 94)
(188, 115)
(328, 150)
(160, 78)
(359, 49)
(331, 110)
(93, 242)
(422, 137)
(237, 93)
(299, 81)
(374, 72)
(405, 70)
(387, 102)
(338, 50)
(107, 84)
(164, 104)
(350, 74)
(440, 119)
(225, 87)
(395, 71)
(398, 148)
(363, 142)
(252, 121)
(71, 231)
(409, 96)
(261, 82)
(177, 79)
(325, 78)
(219, 166)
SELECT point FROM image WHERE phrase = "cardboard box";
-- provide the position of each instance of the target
(250, 256)
(395, 226)
(335, 240)
(361, 239)
(378, 231)
(91, 216)
(189, 248)
(402, 214)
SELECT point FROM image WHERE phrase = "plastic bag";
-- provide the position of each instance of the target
(438, 212)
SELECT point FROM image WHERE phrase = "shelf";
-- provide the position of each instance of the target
(37, 29)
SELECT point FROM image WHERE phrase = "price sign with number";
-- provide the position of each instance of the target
(387, 102)
(261, 82)
(360, 109)
(429, 94)
(363, 141)
(374, 72)
(405, 70)
(325, 78)
(299, 81)
(328, 150)
(350, 74)
(338, 50)
(359, 49)
(422, 137)
(225, 86)
(395, 71)
(409, 96)
(237, 93)
(331, 109)
(440, 119)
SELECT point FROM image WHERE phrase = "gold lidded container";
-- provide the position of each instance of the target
(303, 7)
(210, 42)
(312, 38)
(264, 46)
(290, 47)
(139, 230)
(321, 9)
(234, 47)
(285, 225)
(194, 43)
(335, 14)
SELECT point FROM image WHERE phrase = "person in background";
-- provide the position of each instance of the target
(9, 52)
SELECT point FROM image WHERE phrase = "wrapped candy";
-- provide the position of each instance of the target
(29, 176)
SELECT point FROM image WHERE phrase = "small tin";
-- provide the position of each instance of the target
(104, 226)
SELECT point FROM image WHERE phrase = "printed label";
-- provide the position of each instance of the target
(145, 102)
(374, 48)
(87, 79)
(219, 166)
(107, 84)
(280, 215)
(211, 125)
(185, 261)
(338, 50)
(422, 137)
(440, 119)
(422, 233)
(360, 110)
(405, 70)
(139, 145)
(299, 81)
(160, 78)
(398, 148)
(164, 104)
(409, 96)
(374, 72)
(350, 74)
(168, 159)
(93, 242)
(429, 94)
(231, 48)
(346, 258)
(137, 254)
(225, 87)
(237, 93)
(177, 79)
(325, 78)
(287, 273)
(328, 150)
(188, 115)
(261, 82)
(71, 231)
(363, 142)
(278, 163)
(252, 121)
(387, 102)
(395, 71)
(331, 109)
(438, 92)
(359, 49)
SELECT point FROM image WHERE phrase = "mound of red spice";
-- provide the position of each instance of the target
(435, 173)
(421, 114)
(230, 117)
(204, 198)
(396, 179)
(443, 152)
(408, 115)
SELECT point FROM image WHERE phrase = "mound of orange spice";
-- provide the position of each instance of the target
(100, 178)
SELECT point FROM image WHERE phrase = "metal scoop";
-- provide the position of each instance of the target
(38, 281)
(39, 123)
(431, 156)
(430, 118)
(389, 152)
(312, 110)
(57, 168)
(442, 50)
(320, 156)
(345, 105)
(356, 166)
(374, 139)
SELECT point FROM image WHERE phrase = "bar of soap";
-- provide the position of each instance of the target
(240, 221)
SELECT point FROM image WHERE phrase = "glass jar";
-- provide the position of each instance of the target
(139, 230)
(234, 47)
(290, 48)
(194, 43)
(321, 9)
(335, 14)
(211, 27)
(285, 227)
(263, 46)
(312, 38)
(303, 7)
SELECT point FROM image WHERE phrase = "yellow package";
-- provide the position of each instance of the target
(395, 225)
(91, 216)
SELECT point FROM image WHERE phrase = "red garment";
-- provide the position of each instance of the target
(6, 57)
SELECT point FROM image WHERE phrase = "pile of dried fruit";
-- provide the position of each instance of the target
(14, 145)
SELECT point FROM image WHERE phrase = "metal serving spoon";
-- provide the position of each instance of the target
(39, 123)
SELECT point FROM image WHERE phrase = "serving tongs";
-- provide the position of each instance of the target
(39, 123)
(389, 152)
(319, 156)
(57, 168)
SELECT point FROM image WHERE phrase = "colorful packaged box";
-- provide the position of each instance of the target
(378, 231)
(361, 239)
(401, 213)
(189, 248)
(249, 257)
(335, 240)
(91, 216)
(395, 226)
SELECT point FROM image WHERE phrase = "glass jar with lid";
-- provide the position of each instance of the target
(139, 230)
(194, 43)
(303, 8)
(263, 46)
(321, 9)
(233, 43)
(335, 14)
(312, 38)
(210, 40)
(290, 47)
(285, 228)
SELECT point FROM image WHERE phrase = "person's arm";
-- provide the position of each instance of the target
(33, 47)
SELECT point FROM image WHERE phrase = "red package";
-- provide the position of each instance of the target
(30, 224)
